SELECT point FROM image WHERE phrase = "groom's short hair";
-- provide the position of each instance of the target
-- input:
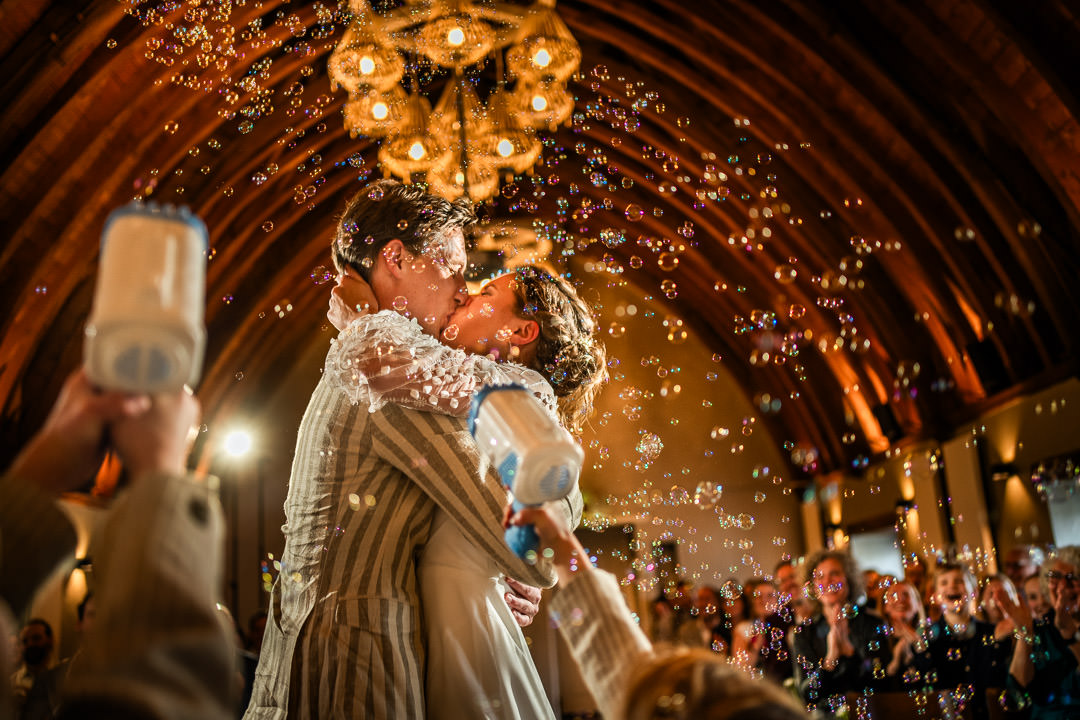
(386, 210)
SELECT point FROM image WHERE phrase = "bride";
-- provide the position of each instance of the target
(528, 327)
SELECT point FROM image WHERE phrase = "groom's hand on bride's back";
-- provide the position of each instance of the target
(523, 600)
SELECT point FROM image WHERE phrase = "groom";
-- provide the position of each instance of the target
(343, 633)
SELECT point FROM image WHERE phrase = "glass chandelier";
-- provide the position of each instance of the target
(461, 147)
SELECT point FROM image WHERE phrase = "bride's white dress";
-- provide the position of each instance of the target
(478, 664)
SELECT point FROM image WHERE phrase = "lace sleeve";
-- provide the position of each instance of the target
(386, 358)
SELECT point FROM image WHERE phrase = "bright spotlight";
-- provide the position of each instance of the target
(237, 443)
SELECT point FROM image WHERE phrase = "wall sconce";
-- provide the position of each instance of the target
(999, 472)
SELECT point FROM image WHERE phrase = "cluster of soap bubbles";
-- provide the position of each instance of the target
(596, 221)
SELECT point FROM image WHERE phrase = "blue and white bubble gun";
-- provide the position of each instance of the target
(536, 458)
(146, 331)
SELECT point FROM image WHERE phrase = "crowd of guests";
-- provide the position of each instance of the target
(871, 645)
(839, 639)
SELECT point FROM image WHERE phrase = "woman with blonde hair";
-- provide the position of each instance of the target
(905, 615)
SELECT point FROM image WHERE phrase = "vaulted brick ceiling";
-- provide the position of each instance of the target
(910, 172)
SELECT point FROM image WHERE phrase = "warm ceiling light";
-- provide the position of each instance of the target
(457, 145)
(510, 145)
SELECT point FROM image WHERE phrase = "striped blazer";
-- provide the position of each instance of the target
(343, 639)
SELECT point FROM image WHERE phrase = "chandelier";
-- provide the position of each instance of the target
(462, 145)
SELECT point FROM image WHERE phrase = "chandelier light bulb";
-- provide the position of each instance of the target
(367, 65)
(539, 103)
(379, 111)
(456, 37)
(416, 151)
(542, 58)
(505, 148)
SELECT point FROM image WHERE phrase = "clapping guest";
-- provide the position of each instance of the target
(990, 612)
(750, 636)
(792, 608)
(1035, 597)
(1022, 561)
(960, 653)
(875, 594)
(1044, 668)
(903, 610)
(734, 609)
(841, 649)
(793, 605)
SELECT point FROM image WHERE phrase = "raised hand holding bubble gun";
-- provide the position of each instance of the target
(145, 333)
(538, 460)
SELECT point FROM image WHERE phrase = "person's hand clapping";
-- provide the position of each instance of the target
(1018, 612)
(350, 298)
(69, 448)
(838, 641)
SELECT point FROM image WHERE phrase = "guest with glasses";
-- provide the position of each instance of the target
(1044, 668)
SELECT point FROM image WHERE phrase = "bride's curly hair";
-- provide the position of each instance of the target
(568, 354)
